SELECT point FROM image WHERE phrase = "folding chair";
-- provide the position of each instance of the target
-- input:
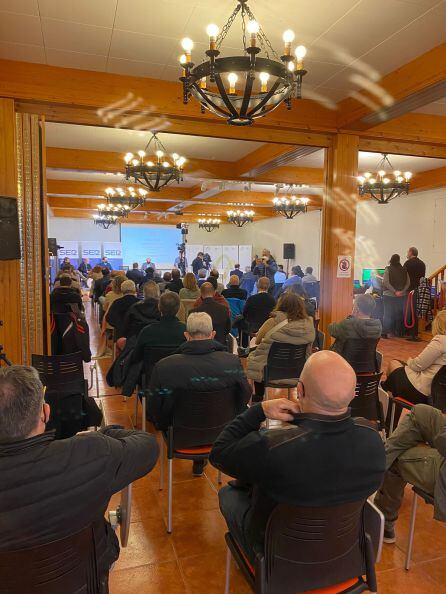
(366, 402)
(427, 498)
(322, 550)
(361, 354)
(198, 419)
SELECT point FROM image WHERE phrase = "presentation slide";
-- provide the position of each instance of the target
(143, 241)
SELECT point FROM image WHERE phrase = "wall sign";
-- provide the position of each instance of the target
(344, 269)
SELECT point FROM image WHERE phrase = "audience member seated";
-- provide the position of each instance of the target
(280, 276)
(190, 288)
(84, 269)
(117, 313)
(202, 274)
(249, 280)
(114, 293)
(148, 275)
(236, 271)
(310, 306)
(64, 296)
(299, 271)
(95, 274)
(101, 283)
(135, 274)
(289, 323)
(359, 324)
(294, 278)
(143, 313)
(234, 291)
(216, 275)
(415, 454)
(68, 270)
(412, 380)
(218, 298)
(168, 331)
(167, 277)
(59, 487)
(176, 284)
(309, 277)
(325, 458)
(203, 358)
(258, 307)
(219, 313)
(266, 266)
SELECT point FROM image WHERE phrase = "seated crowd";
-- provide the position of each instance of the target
(317, 455)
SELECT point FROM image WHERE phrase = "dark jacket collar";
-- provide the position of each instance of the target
(200, 347)
(16, 447)
(323, 423)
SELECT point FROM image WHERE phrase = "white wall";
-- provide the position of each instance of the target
(80, 230)
(418, 219)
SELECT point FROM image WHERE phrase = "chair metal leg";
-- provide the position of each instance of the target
(135, 424)
(265, 397)
(169, 495)
(228, 571)
(144, 405)
(411, 531)
(392, 417)
(219, 481)
(289, 393)
(161, 487)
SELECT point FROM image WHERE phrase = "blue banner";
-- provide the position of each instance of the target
(70, 250)
(92, 251)
(113, 251)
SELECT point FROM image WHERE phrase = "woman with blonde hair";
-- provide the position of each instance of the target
(412, 380)
(190, 288)
(289, 323)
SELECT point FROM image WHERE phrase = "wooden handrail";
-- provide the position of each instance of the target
(437, 281)
(437, 272)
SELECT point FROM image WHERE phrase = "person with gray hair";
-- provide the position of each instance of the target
(323, 458)
(143, 313)
(359, 324)
(202, 364)
(51, 488)
(116, 314)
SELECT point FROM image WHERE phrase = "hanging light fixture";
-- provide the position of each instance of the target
(246, 87)
(209, 224)
(117, 210)
(105, 221)
(240, 217)
(384, 185)
(291, 206)
(153, 168)
(126, 197)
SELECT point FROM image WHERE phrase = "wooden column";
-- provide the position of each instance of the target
(338, 227)
(10, 302)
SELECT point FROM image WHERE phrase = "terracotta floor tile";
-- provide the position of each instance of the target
(205, 574)
(399, 581)
(160, 578)
(392, 558)
(146, 545)
(196, 494)
(197, 532)
(436, 570)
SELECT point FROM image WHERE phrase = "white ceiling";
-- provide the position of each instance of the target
(122, 141)
(345, 38)
(369, 161)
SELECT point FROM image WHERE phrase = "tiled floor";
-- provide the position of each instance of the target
(192, 559)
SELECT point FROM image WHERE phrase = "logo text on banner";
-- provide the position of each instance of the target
(112, 249)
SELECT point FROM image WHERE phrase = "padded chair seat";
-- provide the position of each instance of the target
(403, 401)
(195, 450)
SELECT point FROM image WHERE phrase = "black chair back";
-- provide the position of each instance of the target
(366, 402)
(66, 565)
(308, 548)
(199, 417)
(152, 355)
(313, 291)
(438, 389)
(66, 389)
(285, 361)
(361, 354)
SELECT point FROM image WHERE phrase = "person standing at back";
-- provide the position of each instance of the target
(236, 271)
(258, 307)
(198, 263)
(267, 267)
(416, 269)
(395, 284)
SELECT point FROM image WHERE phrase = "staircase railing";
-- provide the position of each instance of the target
(437, 280)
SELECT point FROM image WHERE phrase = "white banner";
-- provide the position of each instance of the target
(244, 256)
(216, 254)
(69, 249)
(112, 249)
(91, 250)
(230, 257)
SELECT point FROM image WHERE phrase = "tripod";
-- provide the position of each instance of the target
(4, 358)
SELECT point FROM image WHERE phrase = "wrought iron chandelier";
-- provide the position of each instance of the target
(132, 199)
(209, 224)
(384, 186)
(117, 210)
(265, 82)
(105, 221)
(291, 206)
(240, 217)
(156, 172)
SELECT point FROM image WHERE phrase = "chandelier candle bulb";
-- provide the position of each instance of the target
(288, 38)
(212, 31)
(300, 52)
(232, 79)
(253, 29)
(187, 44)
(203, 83)
(264, 78)
(383, 186)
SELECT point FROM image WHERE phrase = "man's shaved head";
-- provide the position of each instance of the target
(327, 384)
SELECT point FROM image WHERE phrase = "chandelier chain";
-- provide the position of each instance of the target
(227, 26)
(156, 141)
(264, 41)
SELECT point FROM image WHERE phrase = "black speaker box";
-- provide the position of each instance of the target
(52, 246)
(289, 251)
(9, 229)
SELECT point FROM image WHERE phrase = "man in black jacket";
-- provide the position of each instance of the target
(101, 284)
(198, 263)
(64, 296)
(234, 291)
(116, 313)
(135, 274)
(326, 458)
(176, 284)
(143, 313)
(258, 307)
(51, 489)
(201, 364)
(416, 269)
(221, 320)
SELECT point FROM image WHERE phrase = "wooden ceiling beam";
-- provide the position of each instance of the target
(92, 203)
(86, 188)
(429, 180)
(417, 83)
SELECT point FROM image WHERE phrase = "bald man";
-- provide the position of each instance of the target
(325, 458)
